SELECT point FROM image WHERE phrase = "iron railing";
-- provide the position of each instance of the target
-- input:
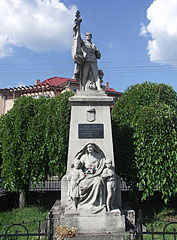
(140, 232)
(50, 185)
(55, 185)
(15, 231)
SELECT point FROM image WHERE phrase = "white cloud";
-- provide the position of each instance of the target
(5, 48)
(143, 30)
(40, 25)
(162, 27)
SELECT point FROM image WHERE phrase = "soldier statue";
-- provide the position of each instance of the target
(85, 55)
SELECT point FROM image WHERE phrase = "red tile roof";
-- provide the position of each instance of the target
(56, 81)
(110, 90)
(113, 91)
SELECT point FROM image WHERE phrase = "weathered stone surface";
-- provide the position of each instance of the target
(129, 214)
(80, 103)
(90, 191)
(99, 237)
(59, 211)
(100, 221)
(109, 222)
(85, 56)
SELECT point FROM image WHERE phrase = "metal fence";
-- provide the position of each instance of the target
(55, 185)
(44, 229)
(168, 232)
(50, 185)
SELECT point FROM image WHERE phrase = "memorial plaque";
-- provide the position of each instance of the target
(91, 130)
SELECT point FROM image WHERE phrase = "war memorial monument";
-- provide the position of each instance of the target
(90, 190)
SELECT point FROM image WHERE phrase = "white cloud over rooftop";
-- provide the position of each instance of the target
(162, 27)
(40, 25)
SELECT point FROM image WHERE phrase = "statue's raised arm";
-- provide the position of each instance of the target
(85, 55)
(76, 47)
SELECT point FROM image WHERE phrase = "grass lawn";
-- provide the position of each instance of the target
(164, 217)
(154, 208)
(27, 214)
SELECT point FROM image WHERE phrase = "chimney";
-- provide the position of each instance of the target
(107, 84)
(37, 82)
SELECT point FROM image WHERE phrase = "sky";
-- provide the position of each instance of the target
(137, 40)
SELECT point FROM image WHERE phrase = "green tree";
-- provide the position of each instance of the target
(145, 138)
(16, 158)
(1, 128)
(34, 141)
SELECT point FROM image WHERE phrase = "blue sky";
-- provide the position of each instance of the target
(137, 40)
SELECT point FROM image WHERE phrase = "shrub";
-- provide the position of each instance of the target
(145, 138)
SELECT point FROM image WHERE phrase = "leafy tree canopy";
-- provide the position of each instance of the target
(34, 140)
(145, 138)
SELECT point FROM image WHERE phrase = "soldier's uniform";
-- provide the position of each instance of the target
(91, 54)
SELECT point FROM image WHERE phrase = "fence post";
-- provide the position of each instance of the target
(140, 225)
(51, 226)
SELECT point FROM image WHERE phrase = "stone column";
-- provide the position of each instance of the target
(90, 122)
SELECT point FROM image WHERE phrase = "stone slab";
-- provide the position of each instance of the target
(99, 237)
(110, 222)
(58, 210)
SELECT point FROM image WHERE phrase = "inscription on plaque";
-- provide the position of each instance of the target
(91, 130)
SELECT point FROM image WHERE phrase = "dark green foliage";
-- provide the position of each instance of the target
(35, 140)
(1, 128)
(17, 162)
(145, 138)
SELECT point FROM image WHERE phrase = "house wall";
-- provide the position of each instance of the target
(8, 104)
(1, 104)
(71, 87)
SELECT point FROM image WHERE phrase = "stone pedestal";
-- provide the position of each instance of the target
(90, 107)
(81, 104)
(74, 219)
(104, 223)
(91, 123)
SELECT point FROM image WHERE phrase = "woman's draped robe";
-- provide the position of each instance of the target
(92, 188)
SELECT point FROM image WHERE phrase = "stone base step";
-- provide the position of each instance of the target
(99, 237)
(106, 223)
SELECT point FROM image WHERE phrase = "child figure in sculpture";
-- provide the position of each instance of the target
(109, 176)
(74, 177)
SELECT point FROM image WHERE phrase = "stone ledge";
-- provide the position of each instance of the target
(117, 236)
(90, 96)
(108, 223)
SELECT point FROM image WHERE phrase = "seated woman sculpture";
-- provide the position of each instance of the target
(92, 189)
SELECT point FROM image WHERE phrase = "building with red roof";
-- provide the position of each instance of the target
(47, 88)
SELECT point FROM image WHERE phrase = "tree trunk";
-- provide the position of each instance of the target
(22, 200)
(23, 197)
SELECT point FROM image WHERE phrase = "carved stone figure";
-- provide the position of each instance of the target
(92, 183)
(74, 178)
(92, 189)
(85, 55)
(110, 178)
